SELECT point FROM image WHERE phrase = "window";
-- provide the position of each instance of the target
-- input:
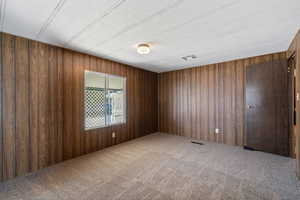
(105, 100)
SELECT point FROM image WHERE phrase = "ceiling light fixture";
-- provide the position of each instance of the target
(143, 48)
(186, 58)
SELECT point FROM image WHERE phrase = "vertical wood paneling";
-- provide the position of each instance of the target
(135, 101)
(198, 103)
(233, 104)
(217, 105)
(22, 110)
(145, 95)
(162, 102)
(159, 102)
(154, 101)
(211, 103)
(221, 102)
(117, 128)
(193, 103)
(189, 110)
(53, 87)
(9, 117)
(143, 127)
(42, 105)
(239, 99)
(229, 122)
(124, 127)
(185, 103)
(78, 74)
(139, 103)
(204, 104)
(128, 102)
(60, 106)
(206, 98)
(171, 100)
(33, 113)
(68, 139)
(165, 103)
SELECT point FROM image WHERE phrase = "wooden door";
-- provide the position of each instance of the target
(267, 124)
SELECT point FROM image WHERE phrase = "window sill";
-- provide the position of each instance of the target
(100, 127)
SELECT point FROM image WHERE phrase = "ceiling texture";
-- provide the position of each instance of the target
(210, 31)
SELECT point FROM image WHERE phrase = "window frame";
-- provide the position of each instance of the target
(106, 75)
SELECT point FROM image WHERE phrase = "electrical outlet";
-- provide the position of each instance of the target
(113, 135)
(217, 131)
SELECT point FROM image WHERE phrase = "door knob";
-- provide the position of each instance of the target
(250, 107)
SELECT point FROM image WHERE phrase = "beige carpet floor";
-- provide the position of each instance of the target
(162, 167)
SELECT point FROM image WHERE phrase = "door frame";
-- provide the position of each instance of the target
(292, 101)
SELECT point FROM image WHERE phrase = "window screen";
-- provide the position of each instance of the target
(105, 100)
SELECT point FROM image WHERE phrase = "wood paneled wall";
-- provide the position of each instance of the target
(42, 106)
(195, 101)
(295, 49)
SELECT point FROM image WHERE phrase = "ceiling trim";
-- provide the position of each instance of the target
(132, 26)
(201, 16)
(51, 17)
(107, 13)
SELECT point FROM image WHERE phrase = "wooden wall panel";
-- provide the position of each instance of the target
(22, 102)
(33, 108)
(43, 105)
(59, 106)
(205, 98)
(295, 49)
(42, 111)
(53, 87)
(68, 137)
(77, 102)
(8, 107)
(239, 99)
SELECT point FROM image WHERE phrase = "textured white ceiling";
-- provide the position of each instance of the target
(213, 30)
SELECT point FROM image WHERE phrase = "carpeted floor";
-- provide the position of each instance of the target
(162, 167)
